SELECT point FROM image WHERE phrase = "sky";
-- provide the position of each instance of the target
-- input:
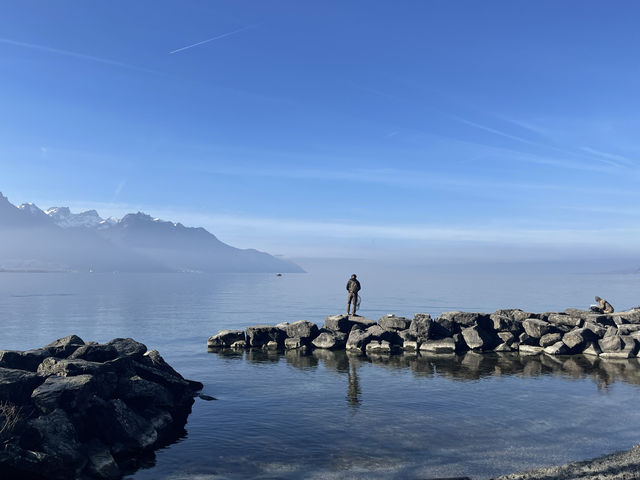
(493, 131)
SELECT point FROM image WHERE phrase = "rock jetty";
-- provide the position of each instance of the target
(86, 410)
(509, 330)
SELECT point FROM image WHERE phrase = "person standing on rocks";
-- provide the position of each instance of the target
(353, 287)
(603, 306)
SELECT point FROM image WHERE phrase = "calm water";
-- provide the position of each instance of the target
(330, 415)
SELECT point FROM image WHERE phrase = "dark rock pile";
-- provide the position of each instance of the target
(85, 410)
(554, 333)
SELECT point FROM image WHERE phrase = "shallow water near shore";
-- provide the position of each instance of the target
(333, 415)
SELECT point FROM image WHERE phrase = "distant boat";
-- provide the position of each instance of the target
(278, 274)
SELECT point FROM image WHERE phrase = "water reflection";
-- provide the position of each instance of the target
(467, 367)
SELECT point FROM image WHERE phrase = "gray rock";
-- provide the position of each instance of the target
(558, 348)
(549, 339)
(361, 322)
(536, 328)
(63, 347)
(330, 340)
(66, 393)
(95, 353)
(358, 339)
(410, 345)
(592, 349)
(294, 343)
(597, 329)
(611, 344)
(378, 346)
(445, 345)
(421, 326)
(477, 339)
(529, 349)
(302, 329)
(504, 347)
(56, 436)
(128, 347)
(338, 323)
(225, 338)
(628, 328)
(63, 367)
(101, 463)
(507, 337)
(271, 345)
(469, 319)
(239, 345)
(563, 319)
(28, 360)
(127, 431)
(391, 322)
(526, 339)
(137, 391)
(16, 385)
(577, 339)
(618, 347)
(259, 336)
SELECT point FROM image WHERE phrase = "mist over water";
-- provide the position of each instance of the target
(332, 415)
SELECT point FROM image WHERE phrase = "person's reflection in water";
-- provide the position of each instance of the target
(353, 387)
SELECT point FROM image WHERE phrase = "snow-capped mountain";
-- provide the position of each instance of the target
(38, 239)
(63, 217)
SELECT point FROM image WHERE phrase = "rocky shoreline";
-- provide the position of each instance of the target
(86, 410)
(553, 333)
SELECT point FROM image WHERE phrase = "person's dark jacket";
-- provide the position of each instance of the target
(353, 285)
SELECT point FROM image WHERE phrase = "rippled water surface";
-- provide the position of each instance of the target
(333, 415)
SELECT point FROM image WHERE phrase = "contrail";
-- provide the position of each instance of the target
(69, 53)
(228, 34)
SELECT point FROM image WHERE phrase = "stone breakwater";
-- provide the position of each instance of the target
(86, 410)
(553, 333)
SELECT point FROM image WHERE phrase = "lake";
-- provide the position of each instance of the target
(331, 415)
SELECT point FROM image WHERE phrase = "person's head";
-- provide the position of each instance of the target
(598, 299)
(353, 277)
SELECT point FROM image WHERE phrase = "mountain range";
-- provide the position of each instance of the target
(55, 239)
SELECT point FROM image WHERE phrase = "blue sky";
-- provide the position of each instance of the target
(462, 129)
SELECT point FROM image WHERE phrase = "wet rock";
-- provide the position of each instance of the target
(66, 393)
(63, 367)
(592, 349)
(239, 345)
(95, 353)
(504, 347)
(410, 345)
(28, 360)
(378, 346)
(391, 322)
(526, 339)
(225, 338)
(56, 436)
(506, 337)
(597, 329)
(468, 319)
(101, 463)
(536, 328)
(618, 346)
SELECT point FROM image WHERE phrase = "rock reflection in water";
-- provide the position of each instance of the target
(466, 367)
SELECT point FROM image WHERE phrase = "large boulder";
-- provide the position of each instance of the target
(330, 340)
(338, 323)
(358, 339)
(63, 367)
(55, 435)
(16, 385)
(391, 322)
(122, 427)
(578, 338)
(445, 345)
(63, 347)
(618, 346)
(477, 338)
(468, 319)
(225, 338)
(566, 320)
(501, 322)
(536, 328)
(379, 347)
(597, 329)
(558, 348)
(66, 393)
(27, 360)
(95, 353)
(302, 329)
(529, 349)
(549, 339)
(421, 327)
(128, 347)
(258, 336)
